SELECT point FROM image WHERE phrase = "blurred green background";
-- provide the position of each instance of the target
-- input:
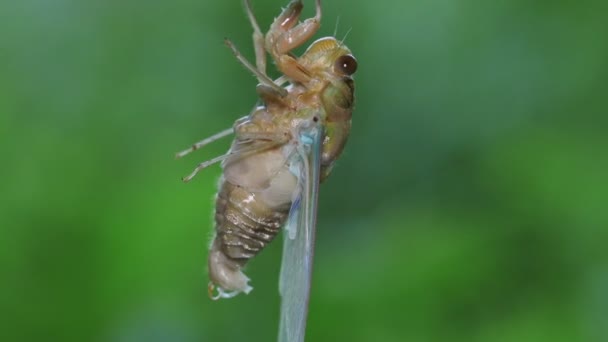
(470, 203)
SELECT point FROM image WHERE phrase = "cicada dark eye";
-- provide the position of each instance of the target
(346, 64)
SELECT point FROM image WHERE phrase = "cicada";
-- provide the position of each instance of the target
(281, 151)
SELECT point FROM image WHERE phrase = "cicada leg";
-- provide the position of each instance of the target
(205, 164)
(265, 80)
(246, 144)
(248, 131)
(242, 151)
(276, 138)
(258, 39)
(286, 34)
(204, 142)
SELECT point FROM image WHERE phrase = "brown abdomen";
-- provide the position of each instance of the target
(244, 224)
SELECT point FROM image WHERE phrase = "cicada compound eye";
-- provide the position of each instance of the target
(346, 65)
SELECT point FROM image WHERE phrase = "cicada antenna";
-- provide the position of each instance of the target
(346, 35)
(336, 27)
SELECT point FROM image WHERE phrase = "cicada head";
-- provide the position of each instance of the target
(329, 57)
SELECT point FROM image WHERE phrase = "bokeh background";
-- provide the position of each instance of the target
(470, 204)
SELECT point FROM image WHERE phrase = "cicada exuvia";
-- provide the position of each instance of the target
(281, 151)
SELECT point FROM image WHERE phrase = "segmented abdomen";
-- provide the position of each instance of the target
(244, 223)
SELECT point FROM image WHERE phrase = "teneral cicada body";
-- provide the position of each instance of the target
(281, 151)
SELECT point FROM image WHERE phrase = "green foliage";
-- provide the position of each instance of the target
(469, 204)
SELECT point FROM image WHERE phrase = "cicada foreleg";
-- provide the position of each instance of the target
(286, 34)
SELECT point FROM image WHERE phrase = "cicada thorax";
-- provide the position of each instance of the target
(337, 99)
(332, 65)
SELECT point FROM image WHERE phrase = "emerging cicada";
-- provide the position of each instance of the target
(281, 152)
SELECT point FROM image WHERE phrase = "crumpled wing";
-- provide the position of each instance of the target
(299, 238)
